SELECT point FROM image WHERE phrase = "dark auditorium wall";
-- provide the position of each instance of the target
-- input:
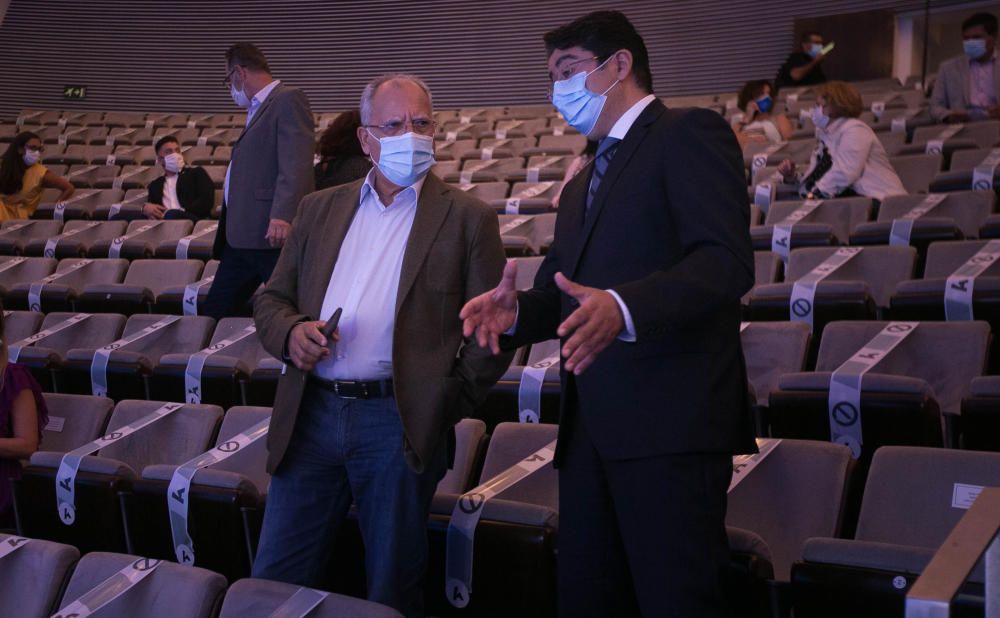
(149, 55)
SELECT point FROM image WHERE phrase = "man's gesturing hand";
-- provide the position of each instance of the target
(492, 313)
(307, 345)
(591, 328)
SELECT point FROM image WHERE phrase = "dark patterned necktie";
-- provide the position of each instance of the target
(823, 165)
(605, 151)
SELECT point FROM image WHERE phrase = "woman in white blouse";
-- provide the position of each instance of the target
(849, 158)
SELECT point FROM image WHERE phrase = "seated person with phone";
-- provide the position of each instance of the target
(183, 192)
(804, 66)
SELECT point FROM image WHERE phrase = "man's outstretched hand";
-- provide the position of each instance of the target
(591, 328)
(492, 313)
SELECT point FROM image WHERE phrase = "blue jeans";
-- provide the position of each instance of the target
(343, 449)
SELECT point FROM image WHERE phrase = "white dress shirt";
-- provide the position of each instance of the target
(255, 103)
(859, 161)
(170, 201)
(364, 283)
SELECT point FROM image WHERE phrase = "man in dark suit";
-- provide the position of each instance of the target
(642, 284)
(270, 170)
(399, 252)
(183, 192)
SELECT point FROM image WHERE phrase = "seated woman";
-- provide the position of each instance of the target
(23, 178)
(341, 158)
(22, 416)
(849, 159)
(759, 124)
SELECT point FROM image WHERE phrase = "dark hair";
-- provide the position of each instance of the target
(166, 139)
(808, 35)
(12, 166)
(340, 139)
(751, 91)
(603, 33)
(248, 56)
(987, 20)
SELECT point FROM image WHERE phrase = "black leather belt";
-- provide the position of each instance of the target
(355, 389)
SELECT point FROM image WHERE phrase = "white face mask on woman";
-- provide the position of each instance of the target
(31, 156)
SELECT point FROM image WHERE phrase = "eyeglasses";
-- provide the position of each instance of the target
(423, 126)
(229, 77)
(35, 148)
(565, 72)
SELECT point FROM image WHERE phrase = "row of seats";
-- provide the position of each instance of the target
(110, 154)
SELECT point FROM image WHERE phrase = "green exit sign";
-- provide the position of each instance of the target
(74, 92)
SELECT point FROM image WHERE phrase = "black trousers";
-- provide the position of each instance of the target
(641, 537)
(241, 271)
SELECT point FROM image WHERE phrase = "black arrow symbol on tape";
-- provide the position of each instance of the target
(178, 495)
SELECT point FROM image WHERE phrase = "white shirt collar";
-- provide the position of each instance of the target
(263, 92)
(410, 192)
(627, 119)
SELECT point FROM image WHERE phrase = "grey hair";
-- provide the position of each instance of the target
(373, 86)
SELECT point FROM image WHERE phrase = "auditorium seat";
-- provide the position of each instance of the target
(130, 364)
(124, 119)
(486, 190)
(486, 170)
(454, 149)
(46, 357)
(982, 133)
(217, 173)
(172, 299)
(831, 223)
(979, 422)
(913, 498)
(222, 154)
(515, 141)
(21, 324)
(171, 590)
(549, 145)
(225, 503)
(16, 270)
(528, 198)
(74, 420)
(75, 238)
(470, 440)
(34, 575)
(83, 153)
(144, 281)
(199, 246)
(128, 209)
(198, 155)
(127, 154)
(768, 268)
(66, 284)
(15, 234)
(99, 525)
(916, 171)
(527, 234)
(772, 349)
(261, 597)
(88, 176)
(141, 238)
(131, 177)
(185, 135)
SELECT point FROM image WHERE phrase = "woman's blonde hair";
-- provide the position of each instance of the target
(842, 99)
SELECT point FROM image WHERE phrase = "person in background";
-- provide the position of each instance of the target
(803, 67)
(849, 159)
(23, 178)
(23, 415)
(968, 86)
(183, 192)
(759, 123)
(579, 162)
(341, 158)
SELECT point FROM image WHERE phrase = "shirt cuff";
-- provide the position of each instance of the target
(628, 333)
(513, 327)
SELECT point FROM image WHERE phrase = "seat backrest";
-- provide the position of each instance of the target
(767, 267)
(187, 335)
(795, 493)
(968, 159)
(74, 420)
(33, 575)
(469, 434)
(916, 171)
(262, 597)
(33, 229)
(171, 590)
(98, 330)
(251, 462)
(968, 209)
(249, 350)
(158, 275)
(881, 267)
(527, 268)
(984, 133)
(99, 271)
(20, 324)
(945, 257)
(773, 349)
(542, 350)
(489, 190)
(172, 439)
(107, 230)
(165, 230)
(916, 495)
(211, 267)
(512, 442)
(946, 355)
(27, 270)
(841, 214)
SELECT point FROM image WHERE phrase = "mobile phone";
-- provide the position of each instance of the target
(829, 48)
(331, 323)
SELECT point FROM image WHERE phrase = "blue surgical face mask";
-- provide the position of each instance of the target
(765, 103)
(974, 48)
(815, 49)
(579, 106)
(819, 119)
(405, 159)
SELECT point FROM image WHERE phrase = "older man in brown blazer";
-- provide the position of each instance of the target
(368, 414)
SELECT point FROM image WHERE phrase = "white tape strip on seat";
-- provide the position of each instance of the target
(15, 227)
(781, 232)
(50, 243)
(958, 286)
(801, 303)
(744, 464)
(69, 465)
(14, 350)
(902, 228)
(196, 363)
(99, 366)
(189, 303)
(533, 172)
(486, 153)
(120, 179)
(300, 604)
(110, 589)
(59, 212)
(184, 243)
(12, 544)
(179, 489)
(529, 391)
(936, 145)
(115, 249)
(514, 202)
(878, 108)
(36, 287)
(844, 402)
(744, 326)
(760, 159)
(465, 518)
(899, 122)
(766, 192)
(514, 223)
(11, 263)
(982, 174)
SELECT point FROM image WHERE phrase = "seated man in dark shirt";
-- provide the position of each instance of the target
(183, 192)
(802, 68)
